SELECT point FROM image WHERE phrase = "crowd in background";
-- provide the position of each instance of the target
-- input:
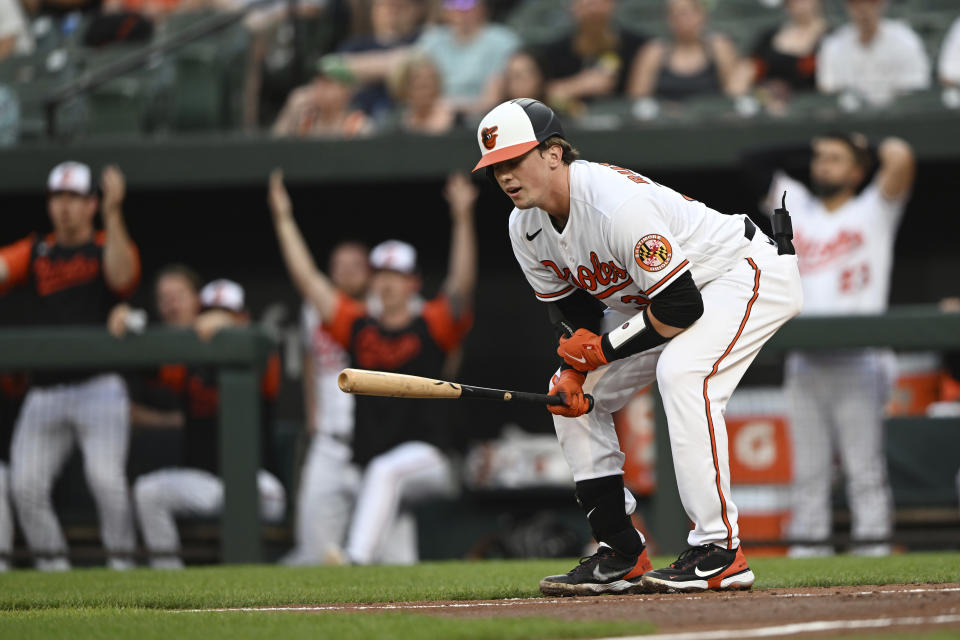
(427, 67)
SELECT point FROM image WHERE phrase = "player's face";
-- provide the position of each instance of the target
(834, 167)
(177, 301)
(526, 180)
(349, 270)
(394, 289)
(71, 213)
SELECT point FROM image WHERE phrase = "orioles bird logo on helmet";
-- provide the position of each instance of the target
(489, 137)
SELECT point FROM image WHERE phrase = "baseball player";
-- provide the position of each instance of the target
(12, 390)
(844, 242)
(329, 412)
(398, 446)
(77, 274)
(642, 283)
(196, 488)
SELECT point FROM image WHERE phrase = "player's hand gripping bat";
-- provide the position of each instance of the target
(398, 385)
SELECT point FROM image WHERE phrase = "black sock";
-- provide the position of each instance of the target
(602, 500)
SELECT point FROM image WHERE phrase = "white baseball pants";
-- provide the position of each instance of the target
(836, 401)
(696, 372)
(363, 514)
(96, 415)
(326, 495)
(6, 518)
(160, 496)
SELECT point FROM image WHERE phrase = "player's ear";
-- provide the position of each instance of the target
(555, 155)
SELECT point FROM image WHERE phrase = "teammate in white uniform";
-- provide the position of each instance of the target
(587, 233)
(844, 242)
(329, 414)
(76, 274)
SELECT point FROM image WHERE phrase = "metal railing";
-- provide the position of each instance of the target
(238, 355)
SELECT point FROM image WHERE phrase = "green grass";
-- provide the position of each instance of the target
(94, 603)
(141, 624)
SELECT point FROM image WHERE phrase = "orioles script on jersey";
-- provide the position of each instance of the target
(58, 274)
(597, 274)
(816, 254)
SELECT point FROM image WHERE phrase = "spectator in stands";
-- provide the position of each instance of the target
(872, 58)
(15, 36)
(948, 65)
(329, 414)
(525, 77)
(690, 62)
(196, 488)
(471, 54)
(322, 109)
(393, 24)
(75, 274)
(418, 90)
(784, 59)
(595, 60)
(399, 445)
(844, 239)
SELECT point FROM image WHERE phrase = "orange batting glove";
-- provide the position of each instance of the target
(569, 386)
(582, 350)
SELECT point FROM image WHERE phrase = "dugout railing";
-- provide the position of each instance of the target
(237, 354)
(921, 327)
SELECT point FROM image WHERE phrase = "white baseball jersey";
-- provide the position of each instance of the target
(626, 239)
(334, 409)
(845, 255)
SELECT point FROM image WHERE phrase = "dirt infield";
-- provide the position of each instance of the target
(806, 610)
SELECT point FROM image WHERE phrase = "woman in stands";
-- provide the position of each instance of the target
(524, 77)
(784, 60)
(418, 90)
(690, 62)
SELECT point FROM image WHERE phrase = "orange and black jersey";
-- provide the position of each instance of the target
(68, 281)
(418, 349)
(66, 287)
(198, 394)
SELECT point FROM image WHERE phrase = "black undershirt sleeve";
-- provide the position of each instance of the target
(579, 310)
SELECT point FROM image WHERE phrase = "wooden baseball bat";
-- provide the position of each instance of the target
(399, 385)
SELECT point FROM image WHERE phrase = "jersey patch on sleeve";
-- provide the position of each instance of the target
(653, 252)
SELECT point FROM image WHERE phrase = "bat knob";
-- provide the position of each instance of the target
(590, 403)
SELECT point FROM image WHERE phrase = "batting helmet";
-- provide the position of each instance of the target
(513, 128)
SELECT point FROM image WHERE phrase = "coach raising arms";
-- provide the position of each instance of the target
(76, 275)
(398, 445)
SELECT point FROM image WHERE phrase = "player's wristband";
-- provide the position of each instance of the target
(633, 336)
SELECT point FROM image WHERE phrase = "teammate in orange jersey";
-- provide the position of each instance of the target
(398, 447)
(76, 274)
